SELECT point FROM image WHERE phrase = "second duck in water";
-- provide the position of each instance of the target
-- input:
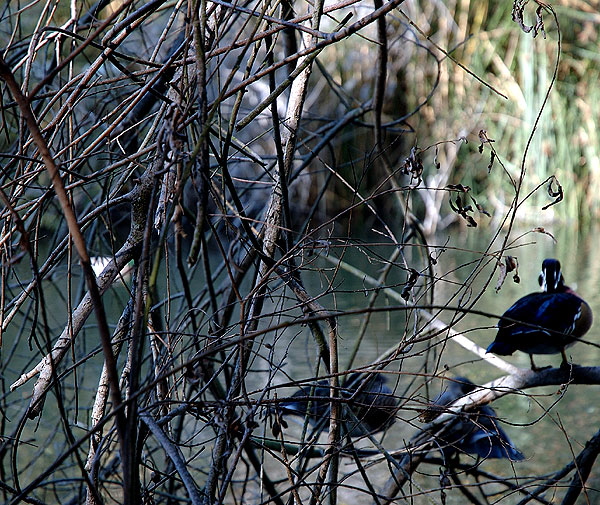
(546, 322)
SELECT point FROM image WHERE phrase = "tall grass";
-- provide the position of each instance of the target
(483, 38)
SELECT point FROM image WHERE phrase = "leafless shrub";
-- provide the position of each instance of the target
(229, 186)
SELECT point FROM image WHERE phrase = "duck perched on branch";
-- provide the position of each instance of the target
(545, 322)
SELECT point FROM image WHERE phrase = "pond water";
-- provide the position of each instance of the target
(547, 431)
(548, 424)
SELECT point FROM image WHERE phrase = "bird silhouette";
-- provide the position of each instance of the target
(544, 322)
(368, 404)
(474, 432)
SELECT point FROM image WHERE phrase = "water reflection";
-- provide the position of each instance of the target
(547, 431)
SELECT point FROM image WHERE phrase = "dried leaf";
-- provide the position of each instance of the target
(444, 479)
(480, 208)
(557, 194)
(491, 163)
(276, 429)
(413, 165)
(410, 283)
(518, 17)
(471, 223)
(445, 483)
(484, 139)
(461, 209)
(510, 264)
(455, 209)
(501, 277)
(541, 229)
(539, 21)
(459, 187)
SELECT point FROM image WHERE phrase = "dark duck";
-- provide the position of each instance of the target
(546, 322)
(475, 432)
(368, 404)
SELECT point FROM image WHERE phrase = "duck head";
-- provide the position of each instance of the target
(551, 279)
